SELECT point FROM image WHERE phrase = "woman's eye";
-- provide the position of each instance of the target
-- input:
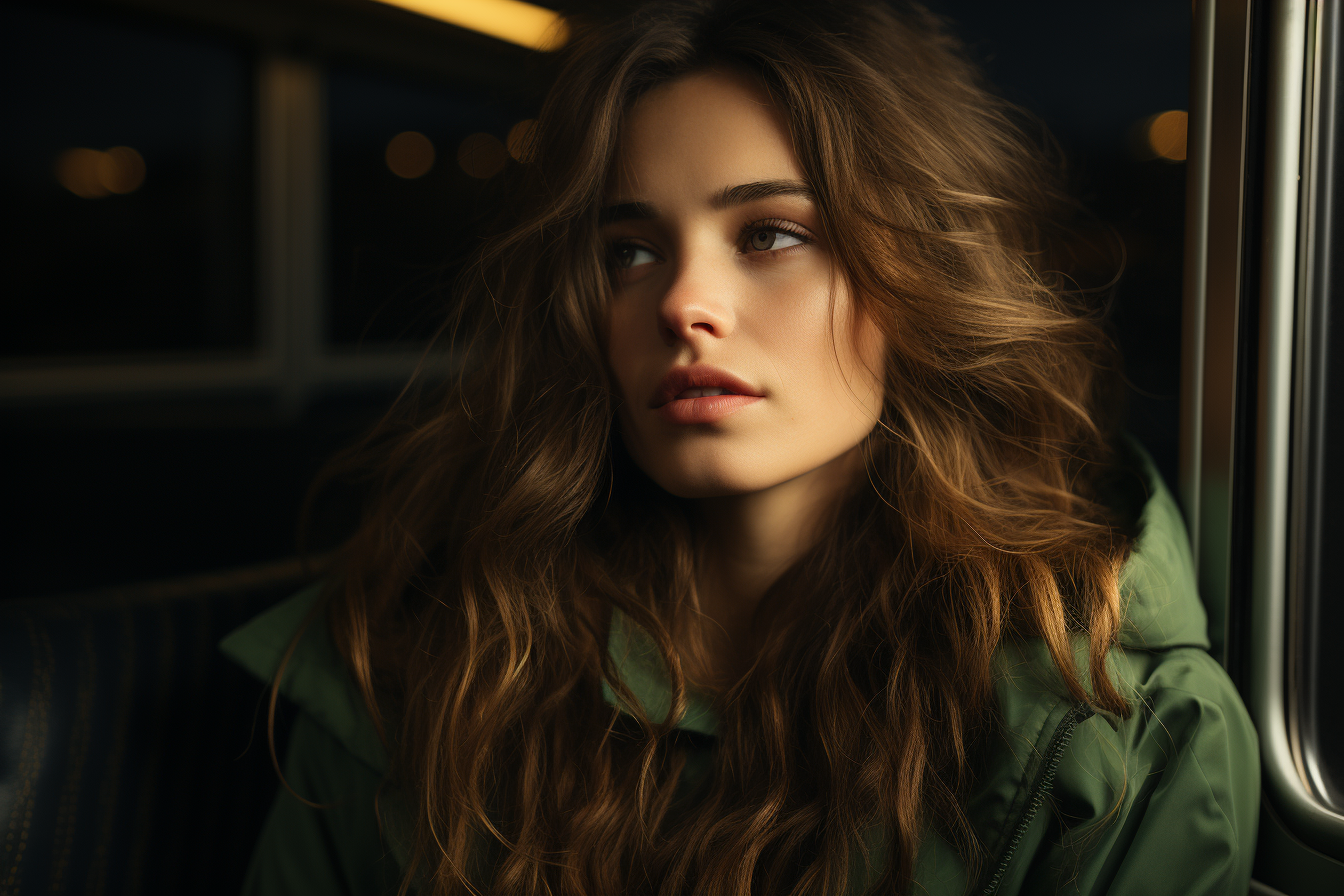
(766, 239)
(629, 255)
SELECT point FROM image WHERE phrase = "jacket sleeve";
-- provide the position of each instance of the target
(1167, 801)
(322, 851)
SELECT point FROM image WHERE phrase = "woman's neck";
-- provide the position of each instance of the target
(751, 539)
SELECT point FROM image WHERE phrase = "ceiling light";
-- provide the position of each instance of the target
(521, 23)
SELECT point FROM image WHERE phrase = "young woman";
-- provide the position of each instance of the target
(776, 536)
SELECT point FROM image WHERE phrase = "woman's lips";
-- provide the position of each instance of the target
(705, 408)
(699, 393)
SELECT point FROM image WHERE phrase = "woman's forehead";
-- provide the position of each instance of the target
(693, 137)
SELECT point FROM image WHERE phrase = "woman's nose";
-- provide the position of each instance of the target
(697, 305)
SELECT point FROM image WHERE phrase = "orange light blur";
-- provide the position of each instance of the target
(519, 141)
(121, 170)
(482, 155)
(91, 174)
(1167, 135)
(410, 154)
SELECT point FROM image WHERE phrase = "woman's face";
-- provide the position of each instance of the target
(734, 342)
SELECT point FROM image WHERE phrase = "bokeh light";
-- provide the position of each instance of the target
(1166, 134)
(77, 171)
(91, 174)
(519, 141)
(410, 154)
(121, 170)
(482, 155)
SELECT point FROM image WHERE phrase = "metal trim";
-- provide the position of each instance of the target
(1196, 260)
(1213, 271)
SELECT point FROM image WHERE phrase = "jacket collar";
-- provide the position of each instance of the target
(642, 671)
(315, 677)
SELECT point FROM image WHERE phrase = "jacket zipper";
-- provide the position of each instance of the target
(1045, 782)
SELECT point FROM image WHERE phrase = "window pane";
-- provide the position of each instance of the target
(127, 159)
(402, 204)
(1127, 63)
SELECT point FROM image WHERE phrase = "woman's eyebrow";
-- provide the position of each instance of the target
(761, 189)
(725, 198)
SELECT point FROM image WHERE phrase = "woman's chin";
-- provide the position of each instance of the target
(707, 482)
(718, 480)
(698, 487)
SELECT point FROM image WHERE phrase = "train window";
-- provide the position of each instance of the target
(408, 164)
(1120, 119)
(128, 164)
(221, 203)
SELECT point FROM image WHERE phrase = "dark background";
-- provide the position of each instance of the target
(106, 485)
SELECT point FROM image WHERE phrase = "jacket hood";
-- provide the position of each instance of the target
(1158, 591)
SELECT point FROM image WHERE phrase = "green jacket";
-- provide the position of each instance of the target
(1164, 802)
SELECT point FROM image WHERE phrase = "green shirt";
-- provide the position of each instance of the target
(1178, 781)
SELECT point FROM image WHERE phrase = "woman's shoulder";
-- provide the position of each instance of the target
(1166, 800)
(1188, 737)
(325, 832)
(1163, 800)
(1182, 697)
(315, 677)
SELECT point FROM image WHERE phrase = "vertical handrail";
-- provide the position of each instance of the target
(1280, 286)
(1310, 576)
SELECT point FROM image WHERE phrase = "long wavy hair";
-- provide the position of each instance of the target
(507, 525)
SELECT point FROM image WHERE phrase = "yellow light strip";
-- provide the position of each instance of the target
(512, 20)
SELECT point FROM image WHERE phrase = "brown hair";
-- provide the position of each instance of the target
(507, 525)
